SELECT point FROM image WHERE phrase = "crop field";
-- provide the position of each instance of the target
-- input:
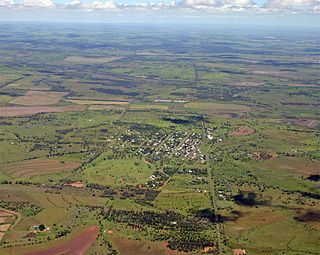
(31, 168)
(39, 97)
(134, 140)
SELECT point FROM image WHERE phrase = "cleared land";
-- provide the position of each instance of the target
(129, 247)
(31, 168)
(4, 227)
(20, 111)
(39, 97)
(76, 246)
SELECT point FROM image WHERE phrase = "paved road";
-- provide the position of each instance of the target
(211, 183)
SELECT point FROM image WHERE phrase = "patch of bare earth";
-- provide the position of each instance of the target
(242, 131)
(75, 184)
(239, 251)
(12, 111)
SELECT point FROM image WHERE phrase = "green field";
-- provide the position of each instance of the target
(143, 145)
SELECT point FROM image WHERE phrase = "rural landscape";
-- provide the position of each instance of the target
(173, 140)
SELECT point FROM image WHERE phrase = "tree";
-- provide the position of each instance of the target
(42, 227)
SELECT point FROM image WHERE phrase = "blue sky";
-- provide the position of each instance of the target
(254, 12)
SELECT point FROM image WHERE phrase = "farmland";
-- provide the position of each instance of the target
(178, 141)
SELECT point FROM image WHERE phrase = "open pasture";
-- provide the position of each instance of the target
(252, 219)
(299, 166)
(132, 171)
(183, 201)
(39, 97)
(28, 169)
(129, 247)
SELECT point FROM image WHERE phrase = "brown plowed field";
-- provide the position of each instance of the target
(19, 111)
(76, 246)
(241, 131)
(31, 168)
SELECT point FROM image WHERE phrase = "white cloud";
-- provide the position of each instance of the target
(38, 3)
(289, 4)
(90, 6)
(182, 7)
(6, 3)
(238, 2)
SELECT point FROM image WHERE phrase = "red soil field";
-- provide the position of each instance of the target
(242, 131)
(76, 246)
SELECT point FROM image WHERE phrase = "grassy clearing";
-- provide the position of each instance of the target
(216, 106)
(183, 201)
(132, 171)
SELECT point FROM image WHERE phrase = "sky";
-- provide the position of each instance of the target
(249, 12)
